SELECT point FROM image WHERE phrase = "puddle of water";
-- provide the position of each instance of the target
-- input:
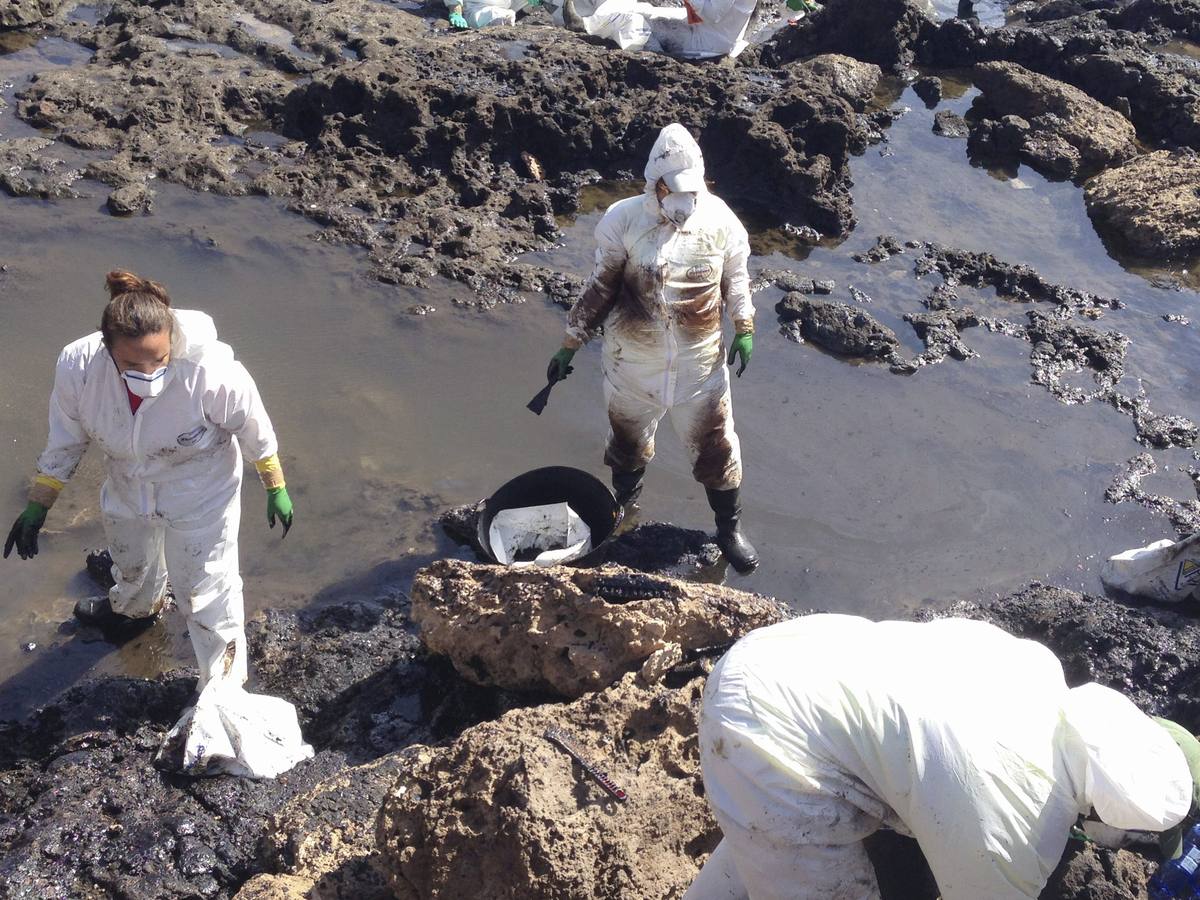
(1186, 49)
(515, 50)
(276, 35)
(89, 14)
(187, 45)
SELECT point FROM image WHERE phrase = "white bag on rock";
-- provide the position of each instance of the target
(1166, 571)
(233, 732)
(555, 529)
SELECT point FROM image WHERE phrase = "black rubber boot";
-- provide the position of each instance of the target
(98, 612)
(99, 568)
(627, 486)
(571, 18)
(737, 549)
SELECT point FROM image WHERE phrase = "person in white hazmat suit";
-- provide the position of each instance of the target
(170, 408)
(481, 13)
(700, 29)
(670, 264)
(818, 731)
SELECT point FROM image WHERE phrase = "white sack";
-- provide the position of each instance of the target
(555, 529)
(1167, 571)
(233, 732)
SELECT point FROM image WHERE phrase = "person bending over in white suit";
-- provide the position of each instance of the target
(700, 29)
(818, 731)
(464, 14)
(170, 408)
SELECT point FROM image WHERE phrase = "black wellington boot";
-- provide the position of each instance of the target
(733, 543)
(571, 18)
(98, 611)
(627, 486)
(99, 568)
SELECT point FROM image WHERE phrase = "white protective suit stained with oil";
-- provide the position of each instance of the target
(661, 291)
(171, 503)
(816, 732)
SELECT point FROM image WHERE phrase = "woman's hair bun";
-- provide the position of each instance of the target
(121, 282)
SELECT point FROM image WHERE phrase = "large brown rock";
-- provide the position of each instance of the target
(569, 631)
(503, 813)
(1052, 126)
(1151, 204)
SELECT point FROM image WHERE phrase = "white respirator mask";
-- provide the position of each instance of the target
(147, 386)
(678, 207)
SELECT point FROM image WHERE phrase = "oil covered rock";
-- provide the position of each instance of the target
(568, 631)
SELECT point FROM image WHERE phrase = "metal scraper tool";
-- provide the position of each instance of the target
(563, 739)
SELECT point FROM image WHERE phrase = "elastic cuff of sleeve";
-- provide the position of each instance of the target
(270, 472)
(45, 490)
(743, 326)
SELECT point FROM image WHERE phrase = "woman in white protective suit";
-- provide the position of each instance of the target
(670, 263)
(170, 408)
(816, 732)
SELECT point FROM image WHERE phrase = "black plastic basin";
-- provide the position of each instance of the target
(587, 495)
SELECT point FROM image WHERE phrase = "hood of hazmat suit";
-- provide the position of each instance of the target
(818, 730)
(661, 291)
(171, 503)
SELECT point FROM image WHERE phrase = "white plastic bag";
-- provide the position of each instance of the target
(1166, 571)
(233, 732)
(555, 529)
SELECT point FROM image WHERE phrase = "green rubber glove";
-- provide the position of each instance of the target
(458, 22)
(795, 5)
(279, 504)
(743, 346)
(535, 2)
(24, 533)
(560, 365)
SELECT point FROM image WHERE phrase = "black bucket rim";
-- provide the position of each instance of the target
(489, 508)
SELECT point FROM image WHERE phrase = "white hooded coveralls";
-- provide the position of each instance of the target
(171, 506)
(661, 293)
(632, 25)
(817, 731)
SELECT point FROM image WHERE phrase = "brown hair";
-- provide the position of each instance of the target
(137, 307)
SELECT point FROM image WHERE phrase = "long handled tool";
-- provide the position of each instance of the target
(563, 739)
